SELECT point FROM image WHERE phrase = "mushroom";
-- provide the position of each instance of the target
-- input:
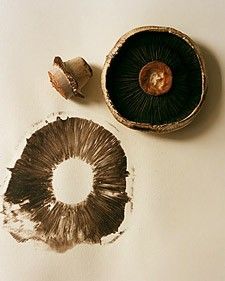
(154, 79)
(31, 209)
(69, 77)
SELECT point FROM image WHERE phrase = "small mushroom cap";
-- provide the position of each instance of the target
(69, 77)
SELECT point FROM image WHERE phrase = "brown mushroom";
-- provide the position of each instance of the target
(154, 79)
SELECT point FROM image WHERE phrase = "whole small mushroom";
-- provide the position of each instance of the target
(69, 77)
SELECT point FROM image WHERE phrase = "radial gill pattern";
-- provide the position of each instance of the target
(122, 77)
(30, 207)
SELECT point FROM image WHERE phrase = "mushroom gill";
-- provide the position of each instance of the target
(154, 79)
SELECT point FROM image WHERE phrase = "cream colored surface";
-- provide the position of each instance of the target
(177, 230)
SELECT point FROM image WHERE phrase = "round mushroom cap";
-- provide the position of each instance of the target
(154, 79)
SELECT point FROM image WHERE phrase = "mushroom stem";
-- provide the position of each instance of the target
(155, 78)
(69, 77)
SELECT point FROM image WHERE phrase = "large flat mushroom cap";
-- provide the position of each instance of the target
(154, 79)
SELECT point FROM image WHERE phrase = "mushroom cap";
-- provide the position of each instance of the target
(125, 97)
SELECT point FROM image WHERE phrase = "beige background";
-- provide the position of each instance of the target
(177, 230)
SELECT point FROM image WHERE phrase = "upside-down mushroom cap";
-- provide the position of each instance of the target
(154, 79)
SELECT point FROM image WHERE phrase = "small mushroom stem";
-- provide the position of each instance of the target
(80, 70)
(60, 83)
(69, 77)
(155, 78)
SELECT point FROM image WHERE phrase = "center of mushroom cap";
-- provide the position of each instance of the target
(155, 78)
